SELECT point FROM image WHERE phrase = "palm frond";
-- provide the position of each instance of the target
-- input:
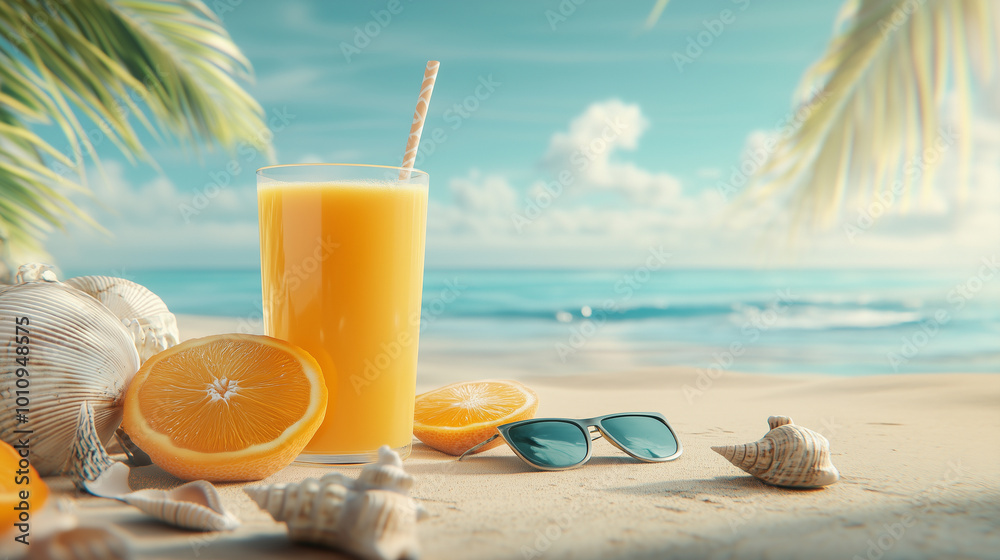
(655, 13)
(89, 67)
(872, 102)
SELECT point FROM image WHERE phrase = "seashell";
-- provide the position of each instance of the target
(81, 543)
(35, 272)
(372, 517)
(63, 348)
(788, 455)
(195, 505)
(89, 466)
(152, 325)
(385, 474)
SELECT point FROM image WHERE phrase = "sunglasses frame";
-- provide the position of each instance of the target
(584, 424)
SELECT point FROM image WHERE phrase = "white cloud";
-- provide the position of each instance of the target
(588, 148)
(484, 194)
(154, 224)
(613, 208)
(609, 213)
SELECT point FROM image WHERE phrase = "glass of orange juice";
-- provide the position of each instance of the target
(342, 261)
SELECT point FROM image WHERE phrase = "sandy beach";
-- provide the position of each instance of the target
(917, 453)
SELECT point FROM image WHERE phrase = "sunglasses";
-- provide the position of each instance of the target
(555, 444)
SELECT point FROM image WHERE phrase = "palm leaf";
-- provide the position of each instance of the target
(655, 13)
(873, 103)
(90, 66)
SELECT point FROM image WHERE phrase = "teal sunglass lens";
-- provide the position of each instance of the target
(645, 436)
(551, 444)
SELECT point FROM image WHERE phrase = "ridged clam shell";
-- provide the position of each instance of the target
(369, 522)
(788, 455)
(152, 325)
(82, 543)
(195, 505)
(78, 351)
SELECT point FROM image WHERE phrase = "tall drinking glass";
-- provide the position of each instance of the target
(342, 261)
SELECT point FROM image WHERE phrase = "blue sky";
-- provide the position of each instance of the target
(554, 85)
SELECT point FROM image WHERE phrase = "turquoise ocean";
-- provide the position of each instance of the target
(842, 322)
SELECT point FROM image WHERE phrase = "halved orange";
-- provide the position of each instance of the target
(13, 481)
(459, 416)
(226, 407)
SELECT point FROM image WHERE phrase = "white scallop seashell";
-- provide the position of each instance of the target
(72, 350)
(788, 455)
(372, 518)
(81, 543)
(195, 505)
(152, 325)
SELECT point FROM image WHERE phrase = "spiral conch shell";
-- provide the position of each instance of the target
(788, 455)
(372, 517)
(61, 348)
(152, 325)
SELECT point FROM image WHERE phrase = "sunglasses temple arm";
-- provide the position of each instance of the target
(476, 448)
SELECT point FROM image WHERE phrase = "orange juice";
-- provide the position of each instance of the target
(342, 272)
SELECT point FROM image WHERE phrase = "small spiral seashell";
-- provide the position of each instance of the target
(372, 518)
(385, 474)
(788, 455)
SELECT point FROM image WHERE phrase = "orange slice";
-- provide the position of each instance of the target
(14, 481)
(459, 416)
(226, 407)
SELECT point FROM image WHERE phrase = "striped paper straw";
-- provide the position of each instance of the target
(419, 115)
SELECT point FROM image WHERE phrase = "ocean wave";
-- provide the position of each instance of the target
(792, 315)
(820, 318)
